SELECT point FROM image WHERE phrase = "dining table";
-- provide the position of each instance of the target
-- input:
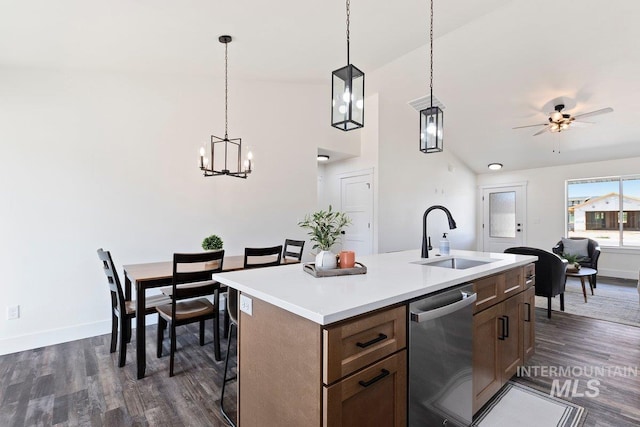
(154, 275)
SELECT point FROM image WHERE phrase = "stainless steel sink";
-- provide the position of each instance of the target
(456, 263)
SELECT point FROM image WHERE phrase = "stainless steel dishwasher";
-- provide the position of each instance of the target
(440, 347)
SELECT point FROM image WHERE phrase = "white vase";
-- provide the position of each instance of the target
(326, 260)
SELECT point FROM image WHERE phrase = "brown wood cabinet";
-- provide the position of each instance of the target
(296, 372)
(502, 332)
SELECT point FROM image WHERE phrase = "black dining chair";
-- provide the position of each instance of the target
(293, 249)
(188, 305)
(253, 258)
(122, 310)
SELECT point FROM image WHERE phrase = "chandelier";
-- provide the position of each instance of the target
(225, 152)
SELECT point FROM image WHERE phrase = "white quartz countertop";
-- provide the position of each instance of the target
(391, 278)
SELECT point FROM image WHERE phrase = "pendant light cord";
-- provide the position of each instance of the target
(431, 54)
(348, 22)
(226, 91)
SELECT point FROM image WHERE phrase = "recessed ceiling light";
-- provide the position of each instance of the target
(323, 157)
(495, 166)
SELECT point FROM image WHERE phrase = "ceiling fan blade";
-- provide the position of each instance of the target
(580, 124)
(542, 131)
(529, 126)
(594, 113)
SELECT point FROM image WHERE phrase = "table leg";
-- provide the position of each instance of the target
(584, 289)
(141, 354)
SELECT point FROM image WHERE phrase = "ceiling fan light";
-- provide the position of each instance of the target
(556, 116)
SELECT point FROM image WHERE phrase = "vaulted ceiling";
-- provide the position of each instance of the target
(501, 63)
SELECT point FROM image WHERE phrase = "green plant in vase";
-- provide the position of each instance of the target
(325, 228)
(212, 243)
(573, 260)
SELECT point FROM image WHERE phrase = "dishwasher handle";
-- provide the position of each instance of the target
(423, 316)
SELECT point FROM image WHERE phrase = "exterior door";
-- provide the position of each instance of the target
(357, 202)
(503, 217)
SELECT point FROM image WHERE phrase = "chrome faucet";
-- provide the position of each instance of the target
(452, 225)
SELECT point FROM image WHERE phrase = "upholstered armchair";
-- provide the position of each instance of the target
(590, 258)
(550, 273)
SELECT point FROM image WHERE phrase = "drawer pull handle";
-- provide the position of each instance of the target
(528, 319)
(383, 374)
(379, 338)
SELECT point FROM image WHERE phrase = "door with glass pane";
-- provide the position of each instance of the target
(503, 217)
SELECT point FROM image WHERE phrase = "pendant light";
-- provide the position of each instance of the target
(225, 151)
(347, 93)
(431, 118)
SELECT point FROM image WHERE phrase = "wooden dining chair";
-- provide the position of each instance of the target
(123, 311)
(188, 305)
(253, 258)
(296, 253)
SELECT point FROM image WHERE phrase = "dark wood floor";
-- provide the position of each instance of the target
(79, 383)
(568, 340)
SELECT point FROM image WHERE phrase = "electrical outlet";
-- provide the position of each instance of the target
(13, 312)
(246, 305)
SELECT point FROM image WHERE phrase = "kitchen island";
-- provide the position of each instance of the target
(307, 345)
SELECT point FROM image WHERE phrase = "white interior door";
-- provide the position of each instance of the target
(503, 224)
(356, 193)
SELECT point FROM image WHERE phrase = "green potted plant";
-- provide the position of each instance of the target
(573, 260)
(212, 243)
(324, 231)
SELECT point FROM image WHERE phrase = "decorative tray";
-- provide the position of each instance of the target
(357, 269)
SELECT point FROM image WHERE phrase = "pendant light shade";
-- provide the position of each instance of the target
(347, 104)
(225, 154)
(347, 93)
(431, 125)
(431, 118)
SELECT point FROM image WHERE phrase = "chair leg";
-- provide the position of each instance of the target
(172, 329)
(562, 301)
(201, 333)
(549, 307)
(594, 280)
(127, 326)
(162, 325)
(114, 331)
(225, 379)
(123, 343)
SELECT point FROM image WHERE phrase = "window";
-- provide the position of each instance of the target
(605, 209)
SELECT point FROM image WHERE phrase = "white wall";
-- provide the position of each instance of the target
(407, 182)
(546, 207)
(91, 160)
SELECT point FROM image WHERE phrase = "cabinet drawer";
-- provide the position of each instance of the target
(357, 343)
(489, 290)
(529, 275)
(513, 282)
(376, 396)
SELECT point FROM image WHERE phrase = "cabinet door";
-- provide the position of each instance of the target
(489, 291)
(487, 378)
(511, 337)
(375, 396)
(528, 321)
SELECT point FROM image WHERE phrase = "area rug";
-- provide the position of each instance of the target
(615, 300)
(522, 406)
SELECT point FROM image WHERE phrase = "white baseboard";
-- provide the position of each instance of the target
(621, 274)
(60, 335)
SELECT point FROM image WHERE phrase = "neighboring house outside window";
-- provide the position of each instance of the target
(605, 209)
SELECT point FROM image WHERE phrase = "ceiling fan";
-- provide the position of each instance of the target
(559, 121)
